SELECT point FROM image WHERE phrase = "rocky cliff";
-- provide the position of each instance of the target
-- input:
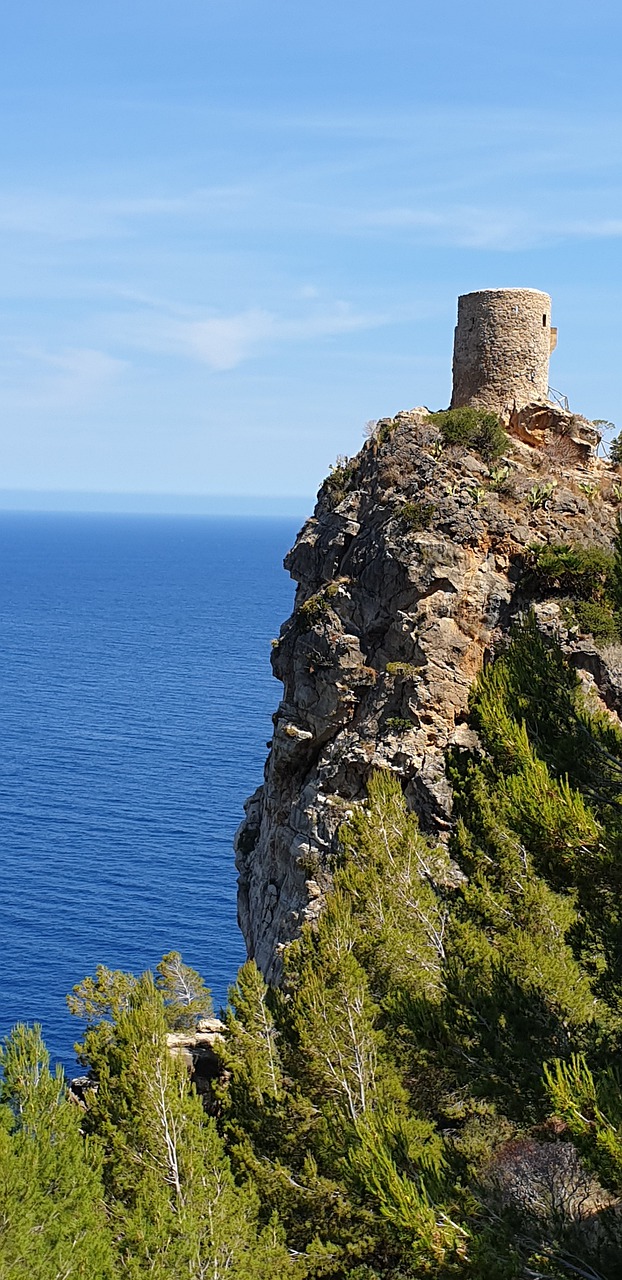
(411, 568)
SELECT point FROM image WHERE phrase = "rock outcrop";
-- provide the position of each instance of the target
(198, 1050)
(410, 569)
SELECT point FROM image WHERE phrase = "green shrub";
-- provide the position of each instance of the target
(405, 669)
(499, 480)
(598, 620)
(339, 480)
(400, 723)
(332, 589)
(477, 429)
(416, 515)
(312, 611)
(578, 571)
(615, 451)
(587, 577)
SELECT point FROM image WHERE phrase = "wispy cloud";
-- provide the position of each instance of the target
(468, 178)
(223, 342)
(34, 378)
(79, 217)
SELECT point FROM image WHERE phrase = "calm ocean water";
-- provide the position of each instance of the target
(135, 703)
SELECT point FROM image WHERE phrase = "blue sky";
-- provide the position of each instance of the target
(231, 233)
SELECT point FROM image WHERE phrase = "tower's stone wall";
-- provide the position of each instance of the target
(502, 345)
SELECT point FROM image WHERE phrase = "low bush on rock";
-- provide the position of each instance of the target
(477, 429)
(416, 515)
(587, 579)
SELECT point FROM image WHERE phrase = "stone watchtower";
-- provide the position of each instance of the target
(502, 345)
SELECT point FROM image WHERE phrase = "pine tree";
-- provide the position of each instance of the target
(252, 1053)
(186, 997)
(52, 1216)
(176, 1206)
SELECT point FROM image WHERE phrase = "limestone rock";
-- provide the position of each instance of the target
(198, 1050)
(408, 573)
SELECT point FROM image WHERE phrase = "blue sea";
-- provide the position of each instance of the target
(135, 704)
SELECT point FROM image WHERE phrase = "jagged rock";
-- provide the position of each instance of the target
(390, 626)
(541, 421)
(78, 1088)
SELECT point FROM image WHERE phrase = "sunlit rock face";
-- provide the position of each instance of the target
(410, 570)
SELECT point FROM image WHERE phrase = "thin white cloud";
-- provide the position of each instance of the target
(74, 378)
(223, 342)
(469, 178)
(79, 217)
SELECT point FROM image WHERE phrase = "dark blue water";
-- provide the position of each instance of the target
(135, 703)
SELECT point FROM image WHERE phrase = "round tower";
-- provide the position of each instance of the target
(502, 345)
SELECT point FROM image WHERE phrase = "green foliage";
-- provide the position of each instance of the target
(251, 1053)
(404, 670)
(312, 611)
(451, 1015)
(477, 429)
(185, 995)
(499, 479)
(339, 480)
(540, 494)
(400, 723)
(615, 450)
(384, 430)
(582, 572)
(593, 1112)
(615, 582)
(597, 620)
(172, 1198)
(104, 997)
(52, 1219)
(590, 576)
(416, 515)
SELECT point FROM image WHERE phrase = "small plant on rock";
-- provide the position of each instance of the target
(312, 611)
(540, 494)
(339, 479)
(334, 587)
(498, 478)
(416, 515)
(588, 488)
(406, 670)
(384, 429)
(399, 723)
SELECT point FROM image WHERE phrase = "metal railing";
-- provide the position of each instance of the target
(559, 398)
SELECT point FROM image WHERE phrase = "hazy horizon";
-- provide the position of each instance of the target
(85, 502)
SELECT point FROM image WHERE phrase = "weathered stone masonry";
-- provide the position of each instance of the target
(502, 345)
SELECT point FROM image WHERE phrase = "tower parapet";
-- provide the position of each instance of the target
(502, 344)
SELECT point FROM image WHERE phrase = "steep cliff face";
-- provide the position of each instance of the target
(411, 568)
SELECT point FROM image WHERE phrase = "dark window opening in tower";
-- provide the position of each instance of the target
(544, 319)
